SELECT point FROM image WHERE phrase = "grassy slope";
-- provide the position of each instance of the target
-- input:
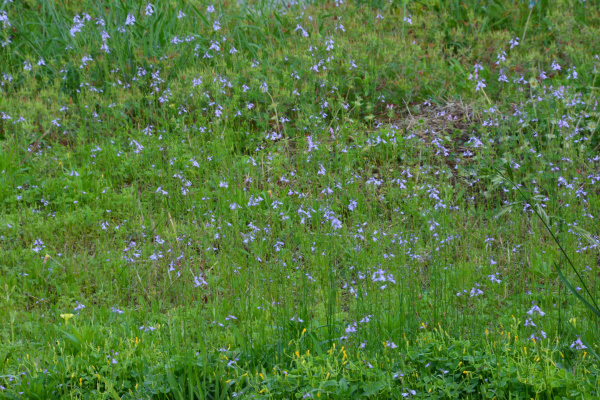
(131, 186)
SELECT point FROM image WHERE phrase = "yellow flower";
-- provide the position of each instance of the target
(66, 317)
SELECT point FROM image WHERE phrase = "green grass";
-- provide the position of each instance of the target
(309, 201)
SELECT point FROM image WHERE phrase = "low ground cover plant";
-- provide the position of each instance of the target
(299, 200)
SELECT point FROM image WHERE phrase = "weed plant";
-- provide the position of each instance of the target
(273, 199)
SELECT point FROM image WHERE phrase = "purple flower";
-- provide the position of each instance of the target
(578, 345)
(199, 281)
(352, 205)
(297, 319)
(130, 20)
(351, 328)
(536, 308)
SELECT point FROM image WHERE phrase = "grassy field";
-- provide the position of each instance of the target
(336, 200)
